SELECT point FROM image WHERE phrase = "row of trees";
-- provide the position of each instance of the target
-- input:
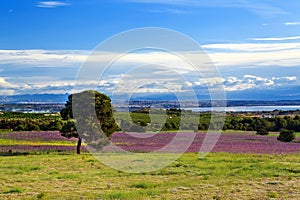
(141, 121)
(245, 123)
(269, 124)
(30, 125)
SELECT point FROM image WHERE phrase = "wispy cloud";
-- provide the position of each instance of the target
(254, 55)
(52, 4)
(168, 10)
(40, 85)
(291, 23)
(42, 57)
(262, 7)
(276, 38)
(251, 47)
(223, 55)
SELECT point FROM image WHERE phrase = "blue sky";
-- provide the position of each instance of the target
(255, 44)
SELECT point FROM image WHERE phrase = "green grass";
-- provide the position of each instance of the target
(14, 190)
(217, 176)
(4, 141)
(4, 131)
(277, 134)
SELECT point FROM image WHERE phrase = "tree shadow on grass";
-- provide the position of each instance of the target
(10, 153)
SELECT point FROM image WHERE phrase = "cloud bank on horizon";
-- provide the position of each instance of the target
(254, 44)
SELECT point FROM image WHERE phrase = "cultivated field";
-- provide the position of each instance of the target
(229, 141)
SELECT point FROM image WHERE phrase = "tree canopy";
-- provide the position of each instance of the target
(92, 113)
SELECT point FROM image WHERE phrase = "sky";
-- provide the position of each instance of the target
(254, 44)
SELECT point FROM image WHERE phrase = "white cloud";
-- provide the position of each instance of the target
(42, 57)
(291, 23)
(68, 57)
(51, 4)
(247, 82)
(123, 86)
(41, 85)
(5, 84)
(252, 82)
(209, 81)
(9, 88)
(291, 78)
(251, 47)
(254, 55)
(6, 92)
(276, 38)
(187, 84)
(223, 55)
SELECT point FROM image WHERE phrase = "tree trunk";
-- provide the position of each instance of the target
(78, 145)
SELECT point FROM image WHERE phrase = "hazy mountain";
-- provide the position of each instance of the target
(35, 98)
(240, 96)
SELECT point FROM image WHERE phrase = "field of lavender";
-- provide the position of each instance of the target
(231, 142)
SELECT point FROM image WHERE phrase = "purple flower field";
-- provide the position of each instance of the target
(36, 136)
(245, 142)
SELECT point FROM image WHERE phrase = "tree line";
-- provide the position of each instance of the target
(140, 121)
(31, 124)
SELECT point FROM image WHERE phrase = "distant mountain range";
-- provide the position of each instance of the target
(35, 98)
(62, 98)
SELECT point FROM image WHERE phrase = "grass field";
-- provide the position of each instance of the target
(217, 176)
(276, 134)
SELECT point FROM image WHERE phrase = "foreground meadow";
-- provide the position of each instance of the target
(217, 176)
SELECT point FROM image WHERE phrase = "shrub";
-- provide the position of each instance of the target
(142, 185)
(14, 190)
(19, 128)
(32, 127)
(286, 135)
(262, 131)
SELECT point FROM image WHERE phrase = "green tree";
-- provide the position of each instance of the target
(94, 118)
(280, 123)
(55, 125)
(286, 135)
(19, 128)
(32, 127)
(262, 131)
